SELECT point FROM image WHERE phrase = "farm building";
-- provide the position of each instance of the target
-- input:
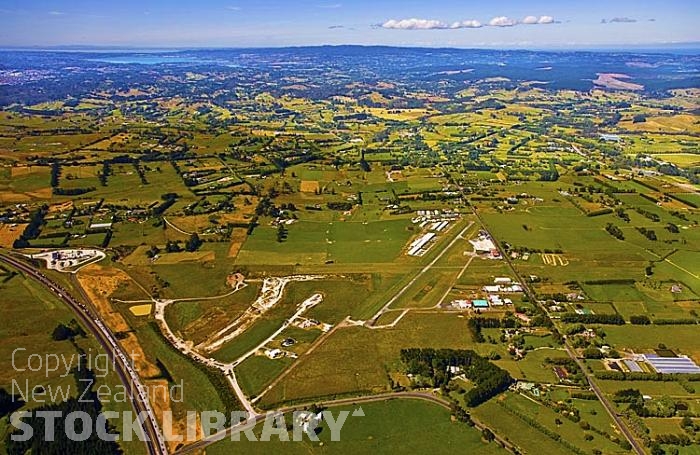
(668, 365)
(417, 246)
(632, 366)
(480, 303)
(483, 245)
(610, 138)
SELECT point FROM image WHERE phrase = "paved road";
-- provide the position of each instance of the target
(606, 403)
(396, 296)
(591, 380)
(251, 423)
(126, 373)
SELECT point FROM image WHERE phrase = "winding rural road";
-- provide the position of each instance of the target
(252, 422)
(155, 440)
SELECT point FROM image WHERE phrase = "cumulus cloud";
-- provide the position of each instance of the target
(433, 24)
(502, 21)
(467, 24)
(414, 24)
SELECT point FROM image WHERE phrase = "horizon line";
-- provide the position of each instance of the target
(480, 46)
(664, 47)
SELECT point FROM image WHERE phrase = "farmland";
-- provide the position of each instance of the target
(277, 235)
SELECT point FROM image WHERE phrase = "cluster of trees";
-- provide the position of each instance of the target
(652, 216)
(611, 319)
(107, 239)
(106, 172)
(140, 172)
(168, 200)
(193, 243)
(434, 365)
(592, 352)
(662, 407)
(282, 232)
(9, 403)
(550, 175)
(55, 173)
(640, 319)
(86, 401)
(152, 252)
(615, 231)
(671, 439)
(172, 247)
(72, 191)
(266, 207)
(620, 213)
(641, 376)
(474, 326)
(533, 422)
(679, 321)
(341, 206)
(33, 229)
(648, 233)
(67, 332)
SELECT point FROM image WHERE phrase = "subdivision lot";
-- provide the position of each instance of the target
(388, 427)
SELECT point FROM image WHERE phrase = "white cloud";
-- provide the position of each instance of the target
(56, 13)
(502, 21)
(532, 20)
(467, 24)
(414, 24)
(433, 24)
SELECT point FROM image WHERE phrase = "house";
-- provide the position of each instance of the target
(461, 303)
(308, 420)
(610, 138)
(523, 317)
(274, 353)
(496, 300)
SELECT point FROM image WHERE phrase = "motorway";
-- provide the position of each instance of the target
(122, 365)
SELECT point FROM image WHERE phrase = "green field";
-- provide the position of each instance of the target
(507, 418)
(396, 426)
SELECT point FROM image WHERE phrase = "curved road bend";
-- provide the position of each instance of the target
(252, 422)
(126, 373)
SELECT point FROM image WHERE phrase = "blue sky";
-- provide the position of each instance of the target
(242, 23)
